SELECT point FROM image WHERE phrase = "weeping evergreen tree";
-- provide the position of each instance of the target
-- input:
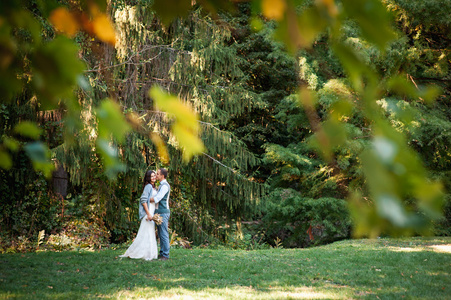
(191, 59)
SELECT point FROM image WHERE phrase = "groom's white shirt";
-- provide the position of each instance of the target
(161, 192)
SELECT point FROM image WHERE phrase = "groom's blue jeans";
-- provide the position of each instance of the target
(163, 234)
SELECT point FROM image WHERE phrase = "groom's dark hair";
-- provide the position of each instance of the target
(164, 172)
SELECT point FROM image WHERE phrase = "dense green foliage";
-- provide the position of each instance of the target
(264, 159)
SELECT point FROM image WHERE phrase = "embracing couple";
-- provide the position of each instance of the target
(153, 201)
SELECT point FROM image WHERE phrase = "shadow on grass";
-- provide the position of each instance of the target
(348, 269)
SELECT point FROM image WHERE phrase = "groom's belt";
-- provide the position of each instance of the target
(162, 210)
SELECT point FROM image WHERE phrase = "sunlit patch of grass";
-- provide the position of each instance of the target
(441, 248)
(232, 292)
(434, 248)
(406, 249)
(342, 270)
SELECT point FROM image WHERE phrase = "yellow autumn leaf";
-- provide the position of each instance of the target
(103, 28)
(186, 125)
(172, 105)
(274, 9)
(63, 20)
(188, 140)
(183, 114)
(161, 147)
(134, 120)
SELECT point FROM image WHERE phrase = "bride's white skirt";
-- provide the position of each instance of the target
(145, 244)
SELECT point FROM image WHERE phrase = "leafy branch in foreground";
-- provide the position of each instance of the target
(51, 69)
(403, 200)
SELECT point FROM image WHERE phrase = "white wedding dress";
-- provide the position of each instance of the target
(145, 244)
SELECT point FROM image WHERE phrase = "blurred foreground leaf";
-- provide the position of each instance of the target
(161, 147)
(5, 159)
(374, 20)
(185, 127)
(28, 129)
(64, 21)
(111, 126)
(56, 76)
(109, 154)
(104, 29)
(40, 157)
(168, 10)
(274, 9)
(111, 121)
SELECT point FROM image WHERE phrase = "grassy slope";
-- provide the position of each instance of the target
(385, 269)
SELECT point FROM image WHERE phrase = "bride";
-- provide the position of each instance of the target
(145, 244)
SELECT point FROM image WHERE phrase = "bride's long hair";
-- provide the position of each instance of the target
(147, 179)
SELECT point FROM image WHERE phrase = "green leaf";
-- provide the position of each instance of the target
(430, 93)
(431, 198)
(28, 129)
(300, 31)
(56, 69)
(256, 24)
(10, 84)
(341, 109)
(110, 158)
(353, 64)
(25, 20)
(40, 157)
(401, 86)
(111, 121)
(373, 18)
(404, 87)
(5, 160)
(390, 207)
(214, 6)
(288, 33)
(83, 83)
(47, 6)
(11, 143)
(399, 185)
(385, 149)
(335, 131)
(311, 23)
(37, 151)
(169, 10)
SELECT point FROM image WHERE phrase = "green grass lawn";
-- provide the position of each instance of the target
(416, 268)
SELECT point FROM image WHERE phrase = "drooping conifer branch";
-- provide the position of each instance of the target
(193, 61)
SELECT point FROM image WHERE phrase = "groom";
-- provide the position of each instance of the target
(162, 199)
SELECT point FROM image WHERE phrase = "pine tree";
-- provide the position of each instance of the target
(191, 58)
